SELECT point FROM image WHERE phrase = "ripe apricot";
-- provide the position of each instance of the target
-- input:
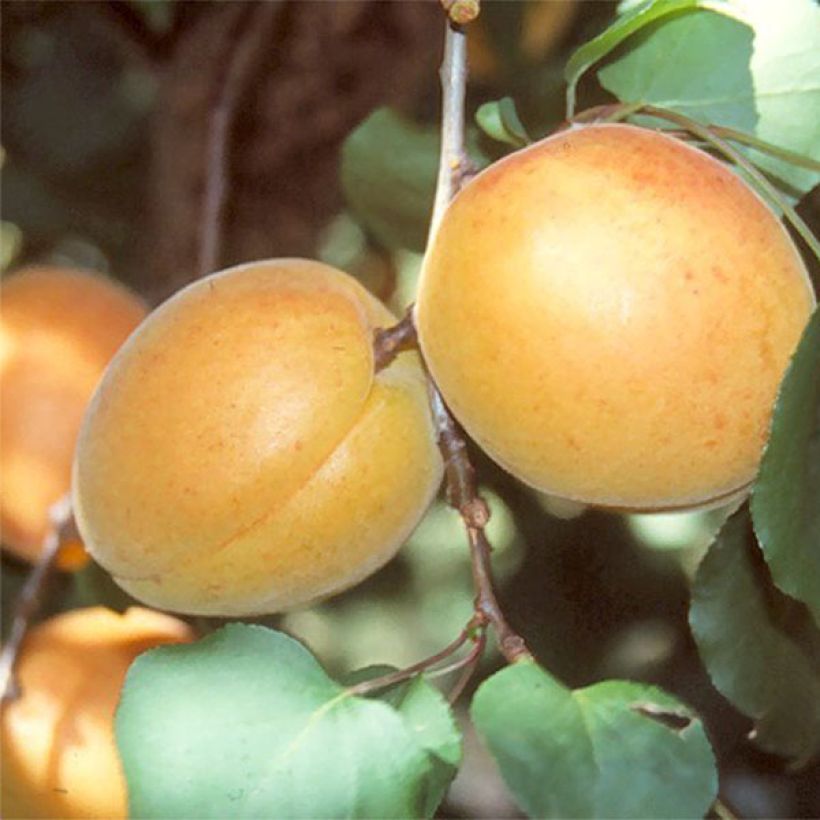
(242, 456)
(59, 754)
(609, 313)
(58, 331)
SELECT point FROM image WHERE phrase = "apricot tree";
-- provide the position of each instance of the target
(618, 314)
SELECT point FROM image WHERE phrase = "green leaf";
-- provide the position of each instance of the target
(428, 716)
(696, 63)
(388, 173)
(786, 500)
(245, 723)
(499, 119)
(752, 662)
(633, 20)
(615, 749)
(758, 72)
(786, 70)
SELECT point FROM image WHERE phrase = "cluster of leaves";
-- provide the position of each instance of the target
(282, 739)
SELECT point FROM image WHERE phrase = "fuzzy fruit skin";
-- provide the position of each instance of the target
(59, 753)
(242, 457)
(609, 313)
(58, 331)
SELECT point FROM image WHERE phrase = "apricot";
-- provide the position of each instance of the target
(59, 754)
(241, 455)
(609, 313)
(58, 331)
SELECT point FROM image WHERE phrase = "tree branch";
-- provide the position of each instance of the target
(30, 598)
(388, 342)
(462, 488)
(461, 484)
(392, 678)
(252, 32)
(463, 496)
(469, 665)
(461, 12)
(453, 158)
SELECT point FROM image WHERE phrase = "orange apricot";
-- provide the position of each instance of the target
(242, 456)
(609, 313)
(59, 753)
(58, 331)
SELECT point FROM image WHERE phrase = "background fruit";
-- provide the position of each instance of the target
(59, 754)
(609, 313)
(241, 456)
(59, 329)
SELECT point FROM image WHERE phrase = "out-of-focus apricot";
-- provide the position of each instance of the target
(59, 753)
(58, 331)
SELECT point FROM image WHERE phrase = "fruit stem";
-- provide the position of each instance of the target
(30, 598)
(469, 665)
(388, 342)
(800, 160)
(392, 678)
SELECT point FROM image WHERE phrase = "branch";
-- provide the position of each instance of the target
(30, 597)
(469, 666)
(253, 27)
(462, 489)
(453, 161)
(462, 495)
(392, 678)
(461, 12)
(474, 631)
(388, 342)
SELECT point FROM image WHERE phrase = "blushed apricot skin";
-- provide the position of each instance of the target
(242, 457)
(58, 331)
(59, 753)
(609, 313)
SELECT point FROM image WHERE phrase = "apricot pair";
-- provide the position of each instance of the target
(58, 331)
(608, 313)
(59, 755)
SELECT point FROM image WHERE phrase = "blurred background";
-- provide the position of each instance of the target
(109, 116)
